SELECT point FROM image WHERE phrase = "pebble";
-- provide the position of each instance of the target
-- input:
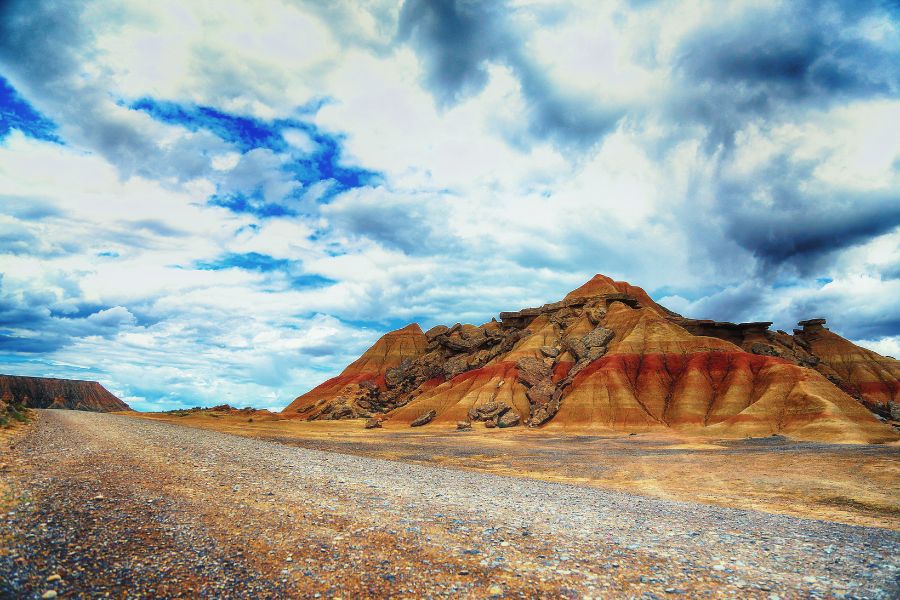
(49, 594)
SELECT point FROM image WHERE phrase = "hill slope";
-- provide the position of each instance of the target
(607, 357)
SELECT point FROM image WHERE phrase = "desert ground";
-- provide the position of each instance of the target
(112, 504)
(856, 484)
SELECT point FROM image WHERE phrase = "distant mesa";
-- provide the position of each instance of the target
(608, 357)
(45, 392)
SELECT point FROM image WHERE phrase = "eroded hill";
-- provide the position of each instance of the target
(608, 357)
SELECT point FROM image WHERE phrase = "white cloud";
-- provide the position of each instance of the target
(471, 212)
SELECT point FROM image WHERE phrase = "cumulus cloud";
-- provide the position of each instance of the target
(236, 211)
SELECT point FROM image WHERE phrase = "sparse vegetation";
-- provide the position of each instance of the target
(13, 413)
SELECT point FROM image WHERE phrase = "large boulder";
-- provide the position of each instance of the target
(456, 366)
(532, 371)
(575, 347)
(508, 419)
(541, 393)
(601, 336)
(487, 411)
(424, 419)
(436, 331)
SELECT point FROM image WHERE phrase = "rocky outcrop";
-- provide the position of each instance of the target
(45, 392)
(363, 388)
(865, 375)
(607, 357)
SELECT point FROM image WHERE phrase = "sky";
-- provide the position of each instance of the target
(224, 201)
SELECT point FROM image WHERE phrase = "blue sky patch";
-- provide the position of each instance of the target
(322, 161)
(311, 281)
(251, 261)
(16, 113)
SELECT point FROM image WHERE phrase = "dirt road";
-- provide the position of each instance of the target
(115, 504)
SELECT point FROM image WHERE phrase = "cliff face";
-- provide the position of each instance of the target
(607, 357)
(44, 392)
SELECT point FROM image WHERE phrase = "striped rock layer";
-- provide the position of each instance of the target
(609, 358)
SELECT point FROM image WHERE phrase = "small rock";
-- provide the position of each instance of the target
(373, 423)
(49, 594)
(54, 577)
(495, 591)
(464, 425)
(99, 497)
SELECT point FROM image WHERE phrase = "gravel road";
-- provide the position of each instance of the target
(114, 504)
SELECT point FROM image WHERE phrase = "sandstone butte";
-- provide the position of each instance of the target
(609, 358)
(45, 392)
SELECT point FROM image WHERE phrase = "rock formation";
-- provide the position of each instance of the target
(370, 385)
(607, 357)
(44, 392)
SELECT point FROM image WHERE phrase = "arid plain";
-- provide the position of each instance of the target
(847, 483)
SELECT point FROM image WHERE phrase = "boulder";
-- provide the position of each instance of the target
(456, 366)
(595, 314)
(464, 425)
(424, 419)
(489, 411)
(549, 351)
(436, 331)
(544, 413)
(541, 393)
(532, 370)
(601, 336)
(508, 419)
(342, 412)
(373, 424)
(764, 349)
(595, 352)
(575, 347)
(809, 323)
(400, 375)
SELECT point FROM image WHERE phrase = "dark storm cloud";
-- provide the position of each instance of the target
(457, 41)
(771, 61)
(34, 321)
(801, 222)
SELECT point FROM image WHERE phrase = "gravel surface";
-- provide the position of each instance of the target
(113, 504)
